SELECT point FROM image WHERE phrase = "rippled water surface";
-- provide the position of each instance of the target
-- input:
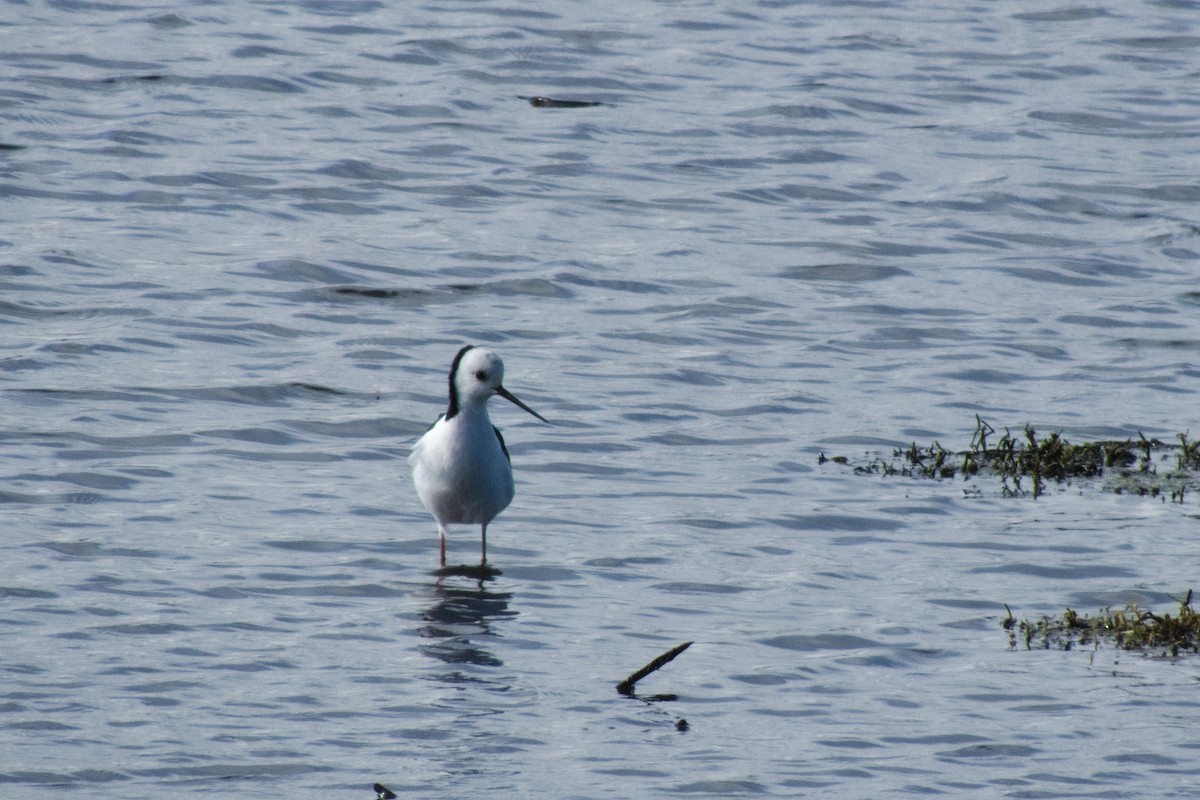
(241, 243)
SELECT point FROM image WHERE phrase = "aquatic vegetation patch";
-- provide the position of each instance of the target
(1131, 628)
(1027, 463)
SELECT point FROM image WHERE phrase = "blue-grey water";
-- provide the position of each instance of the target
(239, 244)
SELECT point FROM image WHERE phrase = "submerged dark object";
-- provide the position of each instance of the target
(480, 572)
(124, 78)
(552, 102)
(383, 793)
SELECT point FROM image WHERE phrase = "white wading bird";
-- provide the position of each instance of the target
(460, 466)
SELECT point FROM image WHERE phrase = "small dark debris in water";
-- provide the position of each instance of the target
(681, 725)
(314, 387)
(8, 147)
(1130, 629)
(125, 78)
(669, 697)
(383, 793)
(551, 102)
(1026, 464)
(359, 291)
(625, 687)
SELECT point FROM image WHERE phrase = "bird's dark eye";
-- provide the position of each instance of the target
(481, 375)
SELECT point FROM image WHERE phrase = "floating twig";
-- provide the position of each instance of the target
(554, 102)
(625, 687)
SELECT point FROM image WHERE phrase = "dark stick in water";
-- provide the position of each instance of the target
(626, 686)
(552, 102)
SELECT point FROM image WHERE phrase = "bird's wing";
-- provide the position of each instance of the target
(500, 438)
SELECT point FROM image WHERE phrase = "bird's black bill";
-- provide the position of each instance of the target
(512, 398)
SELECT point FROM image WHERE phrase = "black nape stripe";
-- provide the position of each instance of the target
(452, 409)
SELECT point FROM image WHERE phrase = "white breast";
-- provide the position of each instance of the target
(461, 472)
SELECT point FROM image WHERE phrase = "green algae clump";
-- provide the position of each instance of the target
(1131, 628)
(1028, 463)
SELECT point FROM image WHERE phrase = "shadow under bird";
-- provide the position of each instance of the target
(461, 467)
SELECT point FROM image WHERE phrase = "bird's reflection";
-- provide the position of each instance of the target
(460, 617)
